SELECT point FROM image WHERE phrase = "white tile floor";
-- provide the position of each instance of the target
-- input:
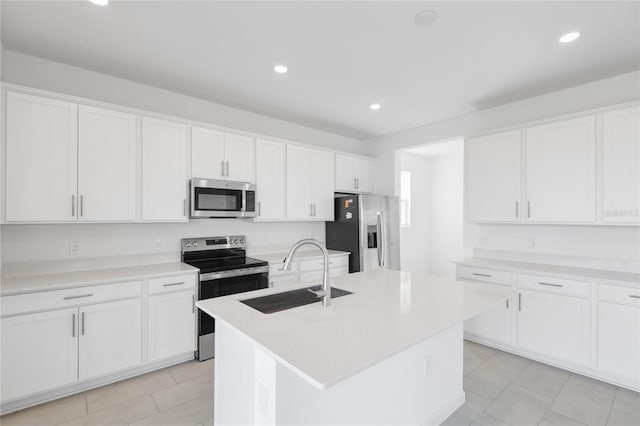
(502, 389)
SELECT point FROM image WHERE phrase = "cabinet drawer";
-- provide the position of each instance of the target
(555, 285)
(619, 294)
(483, 274)
(172, 283)
(318, 264)
(58, 299)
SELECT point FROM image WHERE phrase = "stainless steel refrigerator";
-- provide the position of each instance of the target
(368, 226)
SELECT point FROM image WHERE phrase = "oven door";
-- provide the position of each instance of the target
(219, 198)
(219, 284)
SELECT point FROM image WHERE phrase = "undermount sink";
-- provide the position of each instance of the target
(289, 299)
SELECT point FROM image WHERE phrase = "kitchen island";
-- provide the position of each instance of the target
(390, 353)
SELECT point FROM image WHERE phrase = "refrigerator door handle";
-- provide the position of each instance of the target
(381, 239)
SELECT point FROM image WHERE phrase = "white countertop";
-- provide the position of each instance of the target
(62, 280)
(537, 268)
(278, 257)
(389, 312)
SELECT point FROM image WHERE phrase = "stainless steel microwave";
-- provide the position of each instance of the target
(222, 198)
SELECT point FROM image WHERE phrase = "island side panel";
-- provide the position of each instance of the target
(421, 385)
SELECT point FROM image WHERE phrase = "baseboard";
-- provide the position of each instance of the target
(51, 394)
(445, 411)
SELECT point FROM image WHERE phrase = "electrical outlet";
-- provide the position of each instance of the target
(157, 244)
(74, 248)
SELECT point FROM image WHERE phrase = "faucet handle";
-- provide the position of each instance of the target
(318, 293)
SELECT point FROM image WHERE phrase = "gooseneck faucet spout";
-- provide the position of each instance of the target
(325, 292)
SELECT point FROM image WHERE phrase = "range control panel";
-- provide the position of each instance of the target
(213, 243)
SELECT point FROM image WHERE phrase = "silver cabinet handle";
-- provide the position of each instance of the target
(222, 168)
(193, 304)
(519, 301)
(355, 183)
(259, 208)
(227, 169)
(78, 297)
(314, 210)
(507, 303)
(528, 209)
(73, 325)
(481, 275)
(172, 284)
(551, 285)
(82, 332)
(73, 205)
(184, 206)
(82, 205)
(517, 213)
(635, 296)
(310, 209)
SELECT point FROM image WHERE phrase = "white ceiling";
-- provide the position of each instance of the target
(342, 56)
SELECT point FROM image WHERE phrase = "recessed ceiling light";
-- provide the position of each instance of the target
(569, 37)
(425, 18)
(100, 2)
(280, 69)
(375, 106)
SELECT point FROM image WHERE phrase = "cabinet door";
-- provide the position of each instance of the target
(240, 156)
(207, 153)
(39, 352)
(164, 171)
(298, 183)
(493, 178)
(494, 324)
(621, 166)
(270, 179)
(322, 184)
(41, 159)
(554, 326)
(619, 340)
(110, 337)
(345, 173)
(172, 324)
(106, 164)
(364, 174)
(561, 171)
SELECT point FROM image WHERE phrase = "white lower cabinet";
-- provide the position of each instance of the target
(110, 337)
(493, 325)
(171, 319)
(39, 352)
(554, 326)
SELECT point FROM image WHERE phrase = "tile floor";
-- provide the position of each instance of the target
(502, 389)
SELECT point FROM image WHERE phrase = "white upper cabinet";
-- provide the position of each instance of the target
(207, 153)
(164, 171)
(270, 180)
(310, 183)
(353, 174)
(218, 155)
(41, 159)
(621, 165)
(561, 172)
(106, 165)
(493, 178)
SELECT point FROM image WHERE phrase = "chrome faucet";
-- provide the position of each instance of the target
(325, 292)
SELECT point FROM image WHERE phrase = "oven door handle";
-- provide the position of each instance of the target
(233, 273)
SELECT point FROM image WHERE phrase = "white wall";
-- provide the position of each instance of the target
(567, 244)
(414, 245)
(447, 211)
(21, 243)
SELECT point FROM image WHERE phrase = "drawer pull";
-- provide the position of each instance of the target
(551, 285)
(482, 275)
(519, 302)
(635, 296)
(193, 304)
(171, 284)
(73, 325)
(78, 297)
(82, 324)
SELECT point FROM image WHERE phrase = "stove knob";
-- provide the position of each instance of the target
(241, 240)
(187, 244)
(195, 244)
(235, 241)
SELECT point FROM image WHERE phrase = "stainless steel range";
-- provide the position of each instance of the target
(224, 269)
